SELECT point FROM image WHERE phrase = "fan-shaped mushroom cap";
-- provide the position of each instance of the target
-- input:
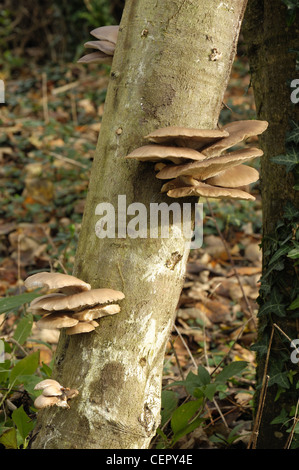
(47, 383)
(97, 57)
(107, 33)
(155, 153)
(211, 166)
(206, 190)
(63, 282)
(104, 46)
(97, 312)
(238, 131)
(186, 137)
(53, 391)
(179, 182)
(235, 177)
(57, 320)
(43, 402)
(81, 327)
(82, 300)
(37, 303)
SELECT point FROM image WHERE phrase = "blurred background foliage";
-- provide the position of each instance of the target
(51, 29)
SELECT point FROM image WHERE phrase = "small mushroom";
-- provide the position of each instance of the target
(80, 327)
(43, 402)
(63, 283)
(106, 33)
(47, 383)
(53, 394)
(97, 57)
(156, 153)
(210, 166)
(57, 320)
(186, 137)
(105, 47)
(238, 131)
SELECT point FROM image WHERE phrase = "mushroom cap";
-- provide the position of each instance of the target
(179, 182)
(97, 57)
(107, 33)
(63, 282)
(43, 402)
(57, 320)
(81, 300)
(156, 153)
(238, 131)
(206, 190)
(235, 177)
(81, 327)
(186, 137)
(47, 383)
(104, 46)
(210, 166)
(37, 303)
(97, 312)
(53, 391)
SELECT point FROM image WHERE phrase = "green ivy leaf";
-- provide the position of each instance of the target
(290, 159)
(282, 251)
(180, 421)
(25, 366)
(230, 370)
(23, 329)
(273, 306)
(22, 421)
(11, 303)
(9, 439)
(169, 404)
(294, 304)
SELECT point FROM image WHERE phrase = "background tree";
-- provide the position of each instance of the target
(271, 32)
(162, 74)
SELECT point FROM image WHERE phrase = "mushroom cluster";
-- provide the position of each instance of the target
(72, 304)
(200, 166)
(104, 47)
(53, 394)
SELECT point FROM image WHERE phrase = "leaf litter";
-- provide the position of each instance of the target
(47, 143)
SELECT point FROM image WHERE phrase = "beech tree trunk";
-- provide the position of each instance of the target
(171, 66)
(271, 51)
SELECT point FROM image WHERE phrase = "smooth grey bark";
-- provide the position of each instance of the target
(171, 67)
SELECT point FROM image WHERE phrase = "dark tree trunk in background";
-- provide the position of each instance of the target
(161, 75)
(270, 43)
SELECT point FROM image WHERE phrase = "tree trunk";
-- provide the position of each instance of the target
(271, 43)
(162, 74)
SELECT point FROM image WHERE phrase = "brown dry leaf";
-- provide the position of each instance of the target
(194, 313)
(216, 310)
(253, 253)
(245, 271)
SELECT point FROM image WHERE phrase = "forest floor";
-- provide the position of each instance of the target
(48, 133)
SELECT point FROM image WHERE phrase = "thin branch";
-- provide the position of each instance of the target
(253, 439)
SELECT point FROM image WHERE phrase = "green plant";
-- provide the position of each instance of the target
(18, 377)
(201, 387)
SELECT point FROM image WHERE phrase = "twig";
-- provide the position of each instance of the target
(45, 97)
(186, 346)
(253, 439)
(296, 420)
(68, 160)
(74, 109)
